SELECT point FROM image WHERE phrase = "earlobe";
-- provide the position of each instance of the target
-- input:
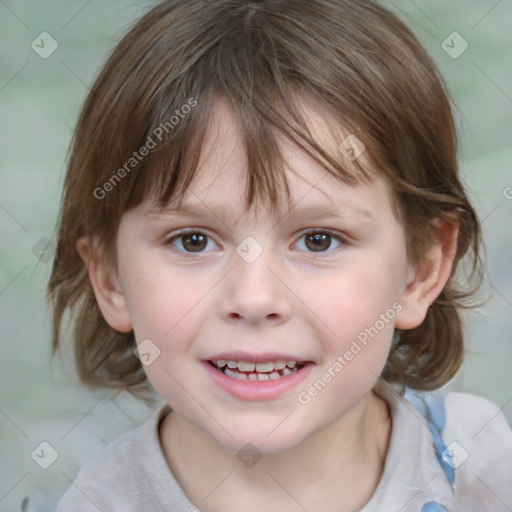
(107, 291)
(427, 280)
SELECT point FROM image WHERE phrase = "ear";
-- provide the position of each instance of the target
(427, 280)
(108, 294)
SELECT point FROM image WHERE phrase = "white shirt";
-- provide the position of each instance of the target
(448, 452)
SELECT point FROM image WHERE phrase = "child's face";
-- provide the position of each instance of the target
(289, 303)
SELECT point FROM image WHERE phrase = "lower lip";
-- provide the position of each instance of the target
(259, 389)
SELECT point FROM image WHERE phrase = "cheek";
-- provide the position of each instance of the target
(161, 303)
(360, 314)
(166, 308)
(358, 308)
(352, 300)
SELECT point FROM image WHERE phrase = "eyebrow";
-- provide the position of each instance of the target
(222, 211)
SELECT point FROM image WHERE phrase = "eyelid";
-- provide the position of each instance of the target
(333, 233)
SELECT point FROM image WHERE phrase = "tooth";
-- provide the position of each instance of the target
(253, 376)
(274, 376)
(241, 376)
(279, 365)
(245, 366)
(291, 364)
(229, 373)
(264, 367)
(287, 371)
(221, 363)
(262, 376)
(232, 364)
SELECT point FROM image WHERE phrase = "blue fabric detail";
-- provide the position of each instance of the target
(434, 506)
(433, 410)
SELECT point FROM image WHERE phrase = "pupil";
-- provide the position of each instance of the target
(321, 241)
(197, 242)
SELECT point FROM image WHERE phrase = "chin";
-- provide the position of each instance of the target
(263, 437)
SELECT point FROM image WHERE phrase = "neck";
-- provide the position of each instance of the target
(341, 465)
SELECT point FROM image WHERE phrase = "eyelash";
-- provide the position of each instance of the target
(193, 231)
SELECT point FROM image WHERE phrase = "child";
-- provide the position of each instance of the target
(262, 220)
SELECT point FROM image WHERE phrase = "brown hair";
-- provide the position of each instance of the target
(156, 90)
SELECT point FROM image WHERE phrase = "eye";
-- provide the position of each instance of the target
(191, 241)
(320, 240)
(195, 241)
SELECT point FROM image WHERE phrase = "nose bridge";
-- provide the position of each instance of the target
(253, 292)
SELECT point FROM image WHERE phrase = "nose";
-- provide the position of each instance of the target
(255, 293)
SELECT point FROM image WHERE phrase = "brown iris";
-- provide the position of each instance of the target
(318, 241)
(194, 242)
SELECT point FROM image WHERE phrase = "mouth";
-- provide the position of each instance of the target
(263, 376)
(260, 371)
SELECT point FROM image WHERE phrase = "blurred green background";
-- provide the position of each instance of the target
(39, 102)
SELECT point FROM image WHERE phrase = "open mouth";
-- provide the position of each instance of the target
(245, 370)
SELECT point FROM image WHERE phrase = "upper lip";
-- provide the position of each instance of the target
(255, 358)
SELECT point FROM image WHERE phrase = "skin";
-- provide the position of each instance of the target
(327, 454)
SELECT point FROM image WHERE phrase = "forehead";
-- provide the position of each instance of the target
(220, 180)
